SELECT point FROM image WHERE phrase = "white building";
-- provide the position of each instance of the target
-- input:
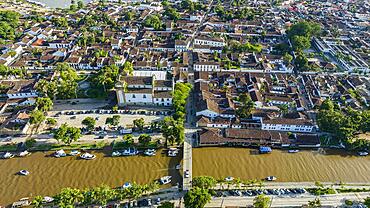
(291, 125)
(207, 66)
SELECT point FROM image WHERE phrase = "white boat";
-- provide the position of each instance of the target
(293, 151)
(60, 153)
(229, 179)
(178, 167)
(24, 153)
(126, 185)
(363, 153)
(48, 199)
(87, 156)
(271, 178)
(172, 152)
(116, 154)
(149, 152)
(74, 152)
(24, 172)
(165, 180)
(8, 155)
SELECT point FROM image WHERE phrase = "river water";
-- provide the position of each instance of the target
(334, 166)
(48, 175)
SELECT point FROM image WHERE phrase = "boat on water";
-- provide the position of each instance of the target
(24, 172)
(116, 154)
(24, 153)
(293, 151)
(229, 178)
(165, 180)
(265, 150)
(127, 185)
(149, 152)
(60, 153)
(48, 199)
(87, 156)
(22, 202)
(363, 153)
(271, 178)
(178, 167)
(74, 153)
(8, 155)
(172, 152)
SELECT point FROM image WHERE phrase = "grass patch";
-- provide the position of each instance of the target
(97, 93)
(349, 190)
(53, 147)
(8, 147)
(321, 191)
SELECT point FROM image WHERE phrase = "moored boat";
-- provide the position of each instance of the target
(8, 155)
(178, 167)
(127, 185)
(265, 150)
(24, 172)
(293, 151)
(116, 154)
(87, 156)
(271, 178)
(24, 153)
(229, 178)
(172, 152)
(149, 152)
(48, 199)
(60, 153)
(129, 152)
(74, 152)
(165, 180)
(363, 153)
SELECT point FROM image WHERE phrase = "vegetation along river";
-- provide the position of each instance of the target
(48, 175)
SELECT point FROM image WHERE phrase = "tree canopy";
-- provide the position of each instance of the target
(153, 21)
(89, 122)
(44, 104)
(205, 182)
(197, 198)
(67, 134)
(9, 21)
(37, 117)
(261, 201)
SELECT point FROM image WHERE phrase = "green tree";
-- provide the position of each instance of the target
(172, 130)
(246, 106)
(261, 201)
(128, 138)
(367, 202)
(80, 4)
(67, 134)
(205, 182)
(315, 203)
(139, 123)
(171, 13)
(103, 194)
(145, 139)
(128, 68)
(68, 197)
(89, 122)
(300, 42)
(288, 58)
(44, 104)
(37, 117)
(37, 201)
(197, 198)
(51, 121)
(304, 28)
(114, 120)
(153, 21)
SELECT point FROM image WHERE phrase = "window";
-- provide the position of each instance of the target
(133, 96)
(144, 96)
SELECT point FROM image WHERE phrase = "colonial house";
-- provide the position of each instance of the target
(291, 125)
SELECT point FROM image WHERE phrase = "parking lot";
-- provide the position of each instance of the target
(255, 192)
(74, 118)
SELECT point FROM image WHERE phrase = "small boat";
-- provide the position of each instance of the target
(87, 156)
(24, 153)
(60, 153)
(8, 155)
(22, 202)
(293, 151)
(116, 154)
(165, 180)
(74, 153)
(229, 179)
(178, 167)
(48, 199)
(265, 150)
(126, 185)
(172, 152)
(271, 178)
(149, 152)
(24, 172)
(363, 153)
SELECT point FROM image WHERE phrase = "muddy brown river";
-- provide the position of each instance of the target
(48, 175)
